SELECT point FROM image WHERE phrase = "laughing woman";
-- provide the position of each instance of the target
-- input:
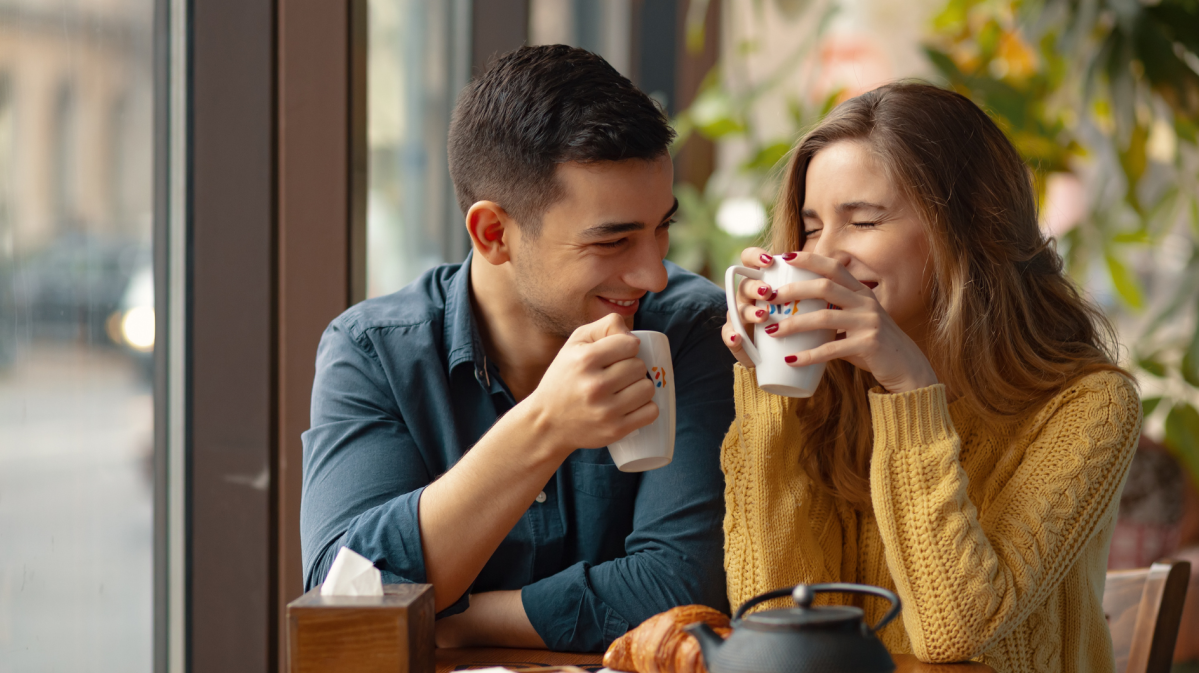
(968, 443)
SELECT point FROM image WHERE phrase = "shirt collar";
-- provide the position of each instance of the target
(461, 331)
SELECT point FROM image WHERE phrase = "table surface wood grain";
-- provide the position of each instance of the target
(467, 658)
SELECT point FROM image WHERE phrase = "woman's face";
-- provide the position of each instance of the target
(853, 213)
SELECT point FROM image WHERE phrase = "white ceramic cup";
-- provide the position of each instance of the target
(651, 447)
(767, 352)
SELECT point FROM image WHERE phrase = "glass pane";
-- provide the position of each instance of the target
(410, 89)
(76, 335)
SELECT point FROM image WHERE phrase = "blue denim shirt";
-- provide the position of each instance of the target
(404, 388)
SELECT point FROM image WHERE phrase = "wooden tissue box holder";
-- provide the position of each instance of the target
(392, 632)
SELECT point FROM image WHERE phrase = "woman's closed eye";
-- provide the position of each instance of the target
(865, 225)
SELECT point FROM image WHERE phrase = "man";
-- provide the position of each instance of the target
(459, 425)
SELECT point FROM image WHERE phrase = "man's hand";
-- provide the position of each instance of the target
(595, 391)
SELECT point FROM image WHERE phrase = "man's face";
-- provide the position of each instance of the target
(601, 246)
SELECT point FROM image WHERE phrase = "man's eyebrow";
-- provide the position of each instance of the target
(845, 208)
(614, 228)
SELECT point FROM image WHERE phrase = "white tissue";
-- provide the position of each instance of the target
(352, 575)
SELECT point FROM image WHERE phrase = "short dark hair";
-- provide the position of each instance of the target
(535, 108)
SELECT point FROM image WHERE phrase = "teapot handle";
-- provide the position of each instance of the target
(804, 593)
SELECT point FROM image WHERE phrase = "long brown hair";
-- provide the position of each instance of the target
(1008, 329)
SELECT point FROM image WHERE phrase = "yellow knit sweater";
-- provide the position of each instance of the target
(996, 542)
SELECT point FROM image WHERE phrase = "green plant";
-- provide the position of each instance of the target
(724, 112)
(1109, 88)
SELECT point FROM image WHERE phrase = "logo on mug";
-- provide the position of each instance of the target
(658, 376)
(784, 309)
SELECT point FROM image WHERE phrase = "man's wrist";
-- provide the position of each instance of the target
(537, 425)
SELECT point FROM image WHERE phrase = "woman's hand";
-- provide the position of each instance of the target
(748, 292)
(867, 337)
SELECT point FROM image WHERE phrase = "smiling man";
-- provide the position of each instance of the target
(459, 425)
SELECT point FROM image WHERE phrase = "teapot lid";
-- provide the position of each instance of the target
(804, 615)
(800, 617)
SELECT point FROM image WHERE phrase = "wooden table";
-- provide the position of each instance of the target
(458, 660)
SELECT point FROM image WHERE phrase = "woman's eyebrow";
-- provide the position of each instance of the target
(843, 208)
(859, 205)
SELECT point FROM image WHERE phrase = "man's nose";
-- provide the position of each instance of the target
(648, 272)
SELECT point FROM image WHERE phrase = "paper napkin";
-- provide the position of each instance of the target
(352, 575)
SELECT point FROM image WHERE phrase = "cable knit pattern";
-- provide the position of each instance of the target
(995, 539)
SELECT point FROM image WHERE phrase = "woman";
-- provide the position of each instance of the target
(968, 443)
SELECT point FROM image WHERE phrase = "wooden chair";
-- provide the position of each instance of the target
(1143, 609)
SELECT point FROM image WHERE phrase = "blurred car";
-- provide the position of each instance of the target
(131, 325)
(67, 290)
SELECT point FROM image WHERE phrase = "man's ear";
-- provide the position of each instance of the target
(491, 231)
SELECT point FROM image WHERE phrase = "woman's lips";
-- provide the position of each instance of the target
(870, 283)
(621, 306)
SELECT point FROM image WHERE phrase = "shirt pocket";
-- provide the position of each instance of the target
(604, 480)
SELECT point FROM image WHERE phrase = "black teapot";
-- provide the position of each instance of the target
(829, 639)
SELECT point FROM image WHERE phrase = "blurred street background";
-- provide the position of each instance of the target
(1101, 97)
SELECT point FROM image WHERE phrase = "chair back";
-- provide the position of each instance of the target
(1143, 609)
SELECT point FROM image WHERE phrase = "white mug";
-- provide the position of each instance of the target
(767, 352)
(652, 446)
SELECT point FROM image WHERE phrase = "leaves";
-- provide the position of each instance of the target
(1148, 405)
(1182, 435)
(766, 158)
(1190, 360)
(1126, 285)
(1152, 366)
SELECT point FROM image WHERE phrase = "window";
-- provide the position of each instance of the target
(76, 336)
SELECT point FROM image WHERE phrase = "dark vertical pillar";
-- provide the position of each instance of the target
(232, 357)
(497, 26)
(655, 49)
(696, 160)
(322, 195)
(160, 230)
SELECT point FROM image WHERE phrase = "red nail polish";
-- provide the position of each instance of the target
(760, 313)
(789, 256)
(766, 259)
(733, 338)
(790, 358)
(771, 329)
(763, 290)
(772, 296)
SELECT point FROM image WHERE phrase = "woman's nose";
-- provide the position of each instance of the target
(829, 246)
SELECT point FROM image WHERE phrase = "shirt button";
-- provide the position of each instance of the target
(541, 497)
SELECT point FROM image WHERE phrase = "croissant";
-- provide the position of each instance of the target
(660, 645)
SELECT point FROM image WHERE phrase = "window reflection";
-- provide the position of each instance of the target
(416, 65)
(76, 335)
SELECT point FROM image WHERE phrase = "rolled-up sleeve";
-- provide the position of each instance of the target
(674, 555)
(363, 475)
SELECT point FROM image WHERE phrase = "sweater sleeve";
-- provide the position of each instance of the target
(778, 530)
(967, 582)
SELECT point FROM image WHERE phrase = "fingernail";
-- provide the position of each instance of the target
(760, 313)
(789, 256)
(771, 329)
(772, 296)
(733, 338)
(790, 358)
(766, 259)
(763, 290)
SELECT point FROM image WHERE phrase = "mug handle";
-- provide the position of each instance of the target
(730, 295)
